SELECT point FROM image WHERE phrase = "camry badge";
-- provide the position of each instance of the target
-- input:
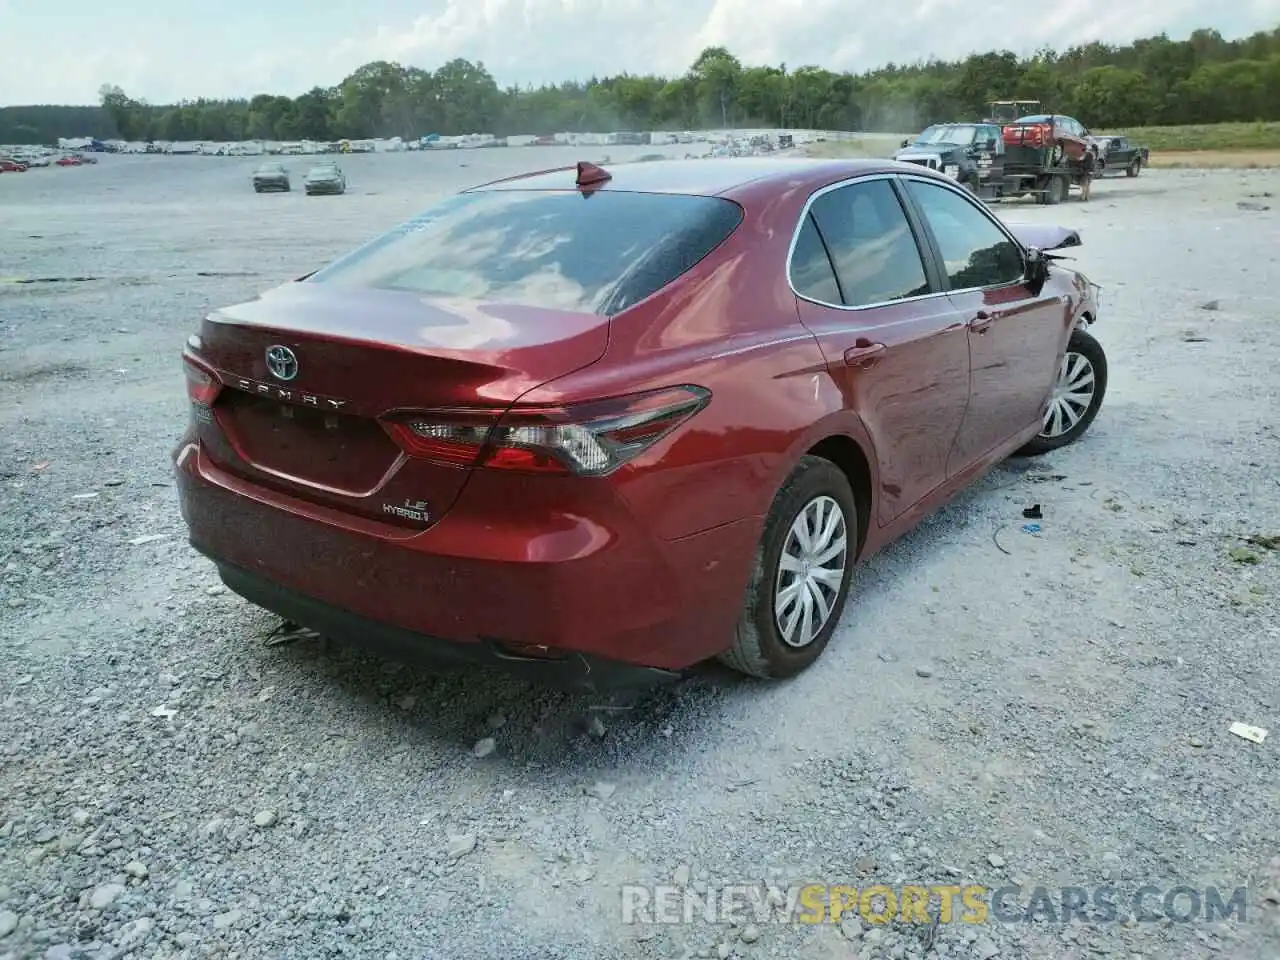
(282, 362)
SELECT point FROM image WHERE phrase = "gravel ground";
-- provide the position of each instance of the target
(997, 707)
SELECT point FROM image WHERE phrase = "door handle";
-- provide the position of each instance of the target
(982, 321)
(863, 353)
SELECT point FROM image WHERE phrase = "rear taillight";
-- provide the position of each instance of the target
(203, 386)
(588, 439)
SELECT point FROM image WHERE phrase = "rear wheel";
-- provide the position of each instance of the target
(801, 576)
(1076, 398)
(1055, 191)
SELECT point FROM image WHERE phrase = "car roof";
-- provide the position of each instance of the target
(712, 177)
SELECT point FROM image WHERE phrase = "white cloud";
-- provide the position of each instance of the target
(255, 49)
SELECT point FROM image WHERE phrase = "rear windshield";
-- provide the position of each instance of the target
(593, 253)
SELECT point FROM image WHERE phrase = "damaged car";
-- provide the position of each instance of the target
(715, 384)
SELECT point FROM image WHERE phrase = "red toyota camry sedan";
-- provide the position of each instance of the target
(606, 424)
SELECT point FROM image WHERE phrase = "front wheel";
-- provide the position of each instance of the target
(801, 576)
(1134, 168)
(1076, 398)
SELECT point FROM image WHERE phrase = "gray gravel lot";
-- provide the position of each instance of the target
(998, 706)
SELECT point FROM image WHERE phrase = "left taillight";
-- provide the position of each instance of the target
(203, 385)
(588, 439)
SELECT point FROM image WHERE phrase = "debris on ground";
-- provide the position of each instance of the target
(1246, 732)
(461, 844)
(1033, 512)
(289, 632)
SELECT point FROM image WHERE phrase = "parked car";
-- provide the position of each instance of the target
(10, 165)
(969, 153)
(606, 426)
(69, 160)
(325, 178)
(1118, 154)
(271, 177)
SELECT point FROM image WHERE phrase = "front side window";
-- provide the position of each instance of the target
(872, 247)
(975, 251)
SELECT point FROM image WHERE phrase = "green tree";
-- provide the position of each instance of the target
(1115, 97)
(1202, 79)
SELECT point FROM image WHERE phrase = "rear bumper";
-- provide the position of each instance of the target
(576, 671)
(602, 592)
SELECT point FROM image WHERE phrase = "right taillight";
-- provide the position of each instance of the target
(588, 439)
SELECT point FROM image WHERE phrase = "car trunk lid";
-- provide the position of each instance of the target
(346, 362)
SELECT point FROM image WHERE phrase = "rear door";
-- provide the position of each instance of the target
(894, 343)
(1016, 335)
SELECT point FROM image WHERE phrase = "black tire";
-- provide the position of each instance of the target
(1056, 189)
(1085, 345)
(758, 648)
(1134, 168)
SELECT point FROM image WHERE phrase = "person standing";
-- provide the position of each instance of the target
(1089, 166)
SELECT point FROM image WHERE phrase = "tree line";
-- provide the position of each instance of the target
(1153, 81)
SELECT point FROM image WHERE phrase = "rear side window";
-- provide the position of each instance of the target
(871, 243)
(811, 272)
(594, 253)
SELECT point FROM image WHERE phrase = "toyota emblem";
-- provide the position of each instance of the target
(282, 363)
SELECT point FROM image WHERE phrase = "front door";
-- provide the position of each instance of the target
(1016, 336)
(894, 342)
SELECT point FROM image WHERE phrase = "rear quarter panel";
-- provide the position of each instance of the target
(729, 325)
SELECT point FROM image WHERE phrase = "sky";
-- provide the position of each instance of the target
(160, 51)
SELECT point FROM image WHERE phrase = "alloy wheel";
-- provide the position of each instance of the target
(810, 571)
(1071, 397)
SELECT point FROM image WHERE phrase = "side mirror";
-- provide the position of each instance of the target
(906, 143)
(1037, 269)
